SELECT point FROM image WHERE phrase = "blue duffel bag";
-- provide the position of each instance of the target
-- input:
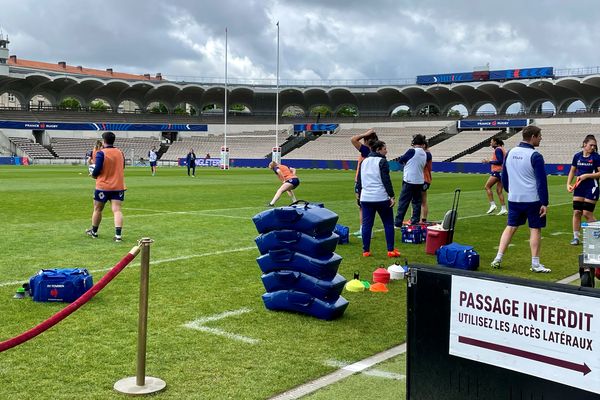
(328, 290)
(312, 219)
(343, 232)
(296, 241)
(61, 284)
(289, 300)
(459, 256)
(319, 267)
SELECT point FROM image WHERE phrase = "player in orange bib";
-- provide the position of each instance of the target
(496, 164)
(110, 185)
(288, 178)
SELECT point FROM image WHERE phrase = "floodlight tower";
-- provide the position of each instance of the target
(3, 54)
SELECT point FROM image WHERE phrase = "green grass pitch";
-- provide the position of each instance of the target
(203, 265)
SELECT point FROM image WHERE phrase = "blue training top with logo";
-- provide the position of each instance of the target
(588, 188)
(586, 165)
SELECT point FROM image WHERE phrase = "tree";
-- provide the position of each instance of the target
(237, 107)
(348, 111)
(180, 111)
(98, 105)
(429, 110)
(323, 111)
(159, 109)
(69, 103)
(454, 114)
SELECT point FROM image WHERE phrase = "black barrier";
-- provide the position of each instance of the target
(434, 373)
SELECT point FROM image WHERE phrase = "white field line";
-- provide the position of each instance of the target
(155, 262)
(198, 324)
(204, 213)
(371, 372)
(340, 374)
(11, 283)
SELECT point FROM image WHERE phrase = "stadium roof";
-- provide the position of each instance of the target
(55, 82)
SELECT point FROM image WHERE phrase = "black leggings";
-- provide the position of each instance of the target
(193, 168)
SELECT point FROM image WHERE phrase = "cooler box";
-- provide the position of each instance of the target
(436, 238)
(296, 241)
(318, 267)
(289, 300)
(312, 219)
(328, 290)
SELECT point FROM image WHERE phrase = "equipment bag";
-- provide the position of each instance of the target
(459, 256)
(343, 232)
(61, 284)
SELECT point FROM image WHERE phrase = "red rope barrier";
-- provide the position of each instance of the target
(68, 310)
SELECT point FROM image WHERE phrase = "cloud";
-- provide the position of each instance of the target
(318, 40)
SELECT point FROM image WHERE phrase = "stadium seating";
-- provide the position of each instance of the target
(338, 146)
(31, 148)
(133, 148)
(560, 141)
(249, 144)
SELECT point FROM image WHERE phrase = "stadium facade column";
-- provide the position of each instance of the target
(4, 55)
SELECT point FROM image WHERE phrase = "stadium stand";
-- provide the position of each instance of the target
(559, 143)
(248, 144)
(338, 146)
(459, 142)
(31, 148)
(133, 148)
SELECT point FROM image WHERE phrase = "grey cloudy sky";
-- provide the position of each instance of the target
(350, 39)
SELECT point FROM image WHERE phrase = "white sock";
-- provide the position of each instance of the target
(503, 208)
(499, 256)
(492, 203)
(535, 261)
(575, 234)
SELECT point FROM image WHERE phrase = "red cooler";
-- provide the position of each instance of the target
(436, 238)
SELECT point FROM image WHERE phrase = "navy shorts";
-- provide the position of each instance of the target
(294, 181)
(107, 195)
(425, 187)
(587, 189)
(153, 163)
(518, 213)
(496, 174)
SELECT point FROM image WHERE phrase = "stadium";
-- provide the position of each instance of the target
(209, 334)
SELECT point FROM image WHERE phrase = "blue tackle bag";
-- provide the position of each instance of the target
(61, 284)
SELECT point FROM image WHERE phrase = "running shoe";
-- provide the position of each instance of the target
(393, 253)
(366, 254)
(540, 268)
(502, 212)
(575, 242)
(118, 238)
(492, 209)
(91, 233)
(496, 264)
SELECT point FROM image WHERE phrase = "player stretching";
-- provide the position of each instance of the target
(288, 178)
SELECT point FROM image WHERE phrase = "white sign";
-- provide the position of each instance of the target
(544, 333)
